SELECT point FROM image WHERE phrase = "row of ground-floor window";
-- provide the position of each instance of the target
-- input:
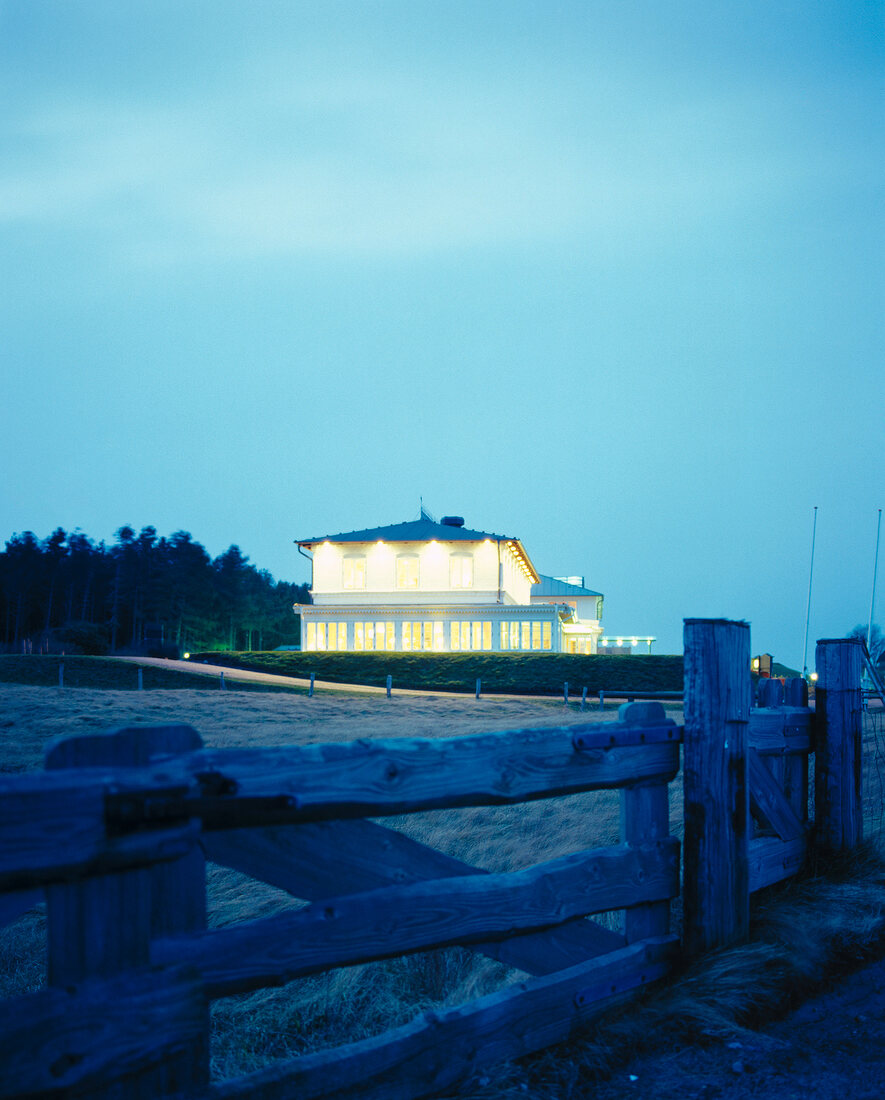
(433, 635)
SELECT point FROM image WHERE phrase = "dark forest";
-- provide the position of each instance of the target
(144, 594)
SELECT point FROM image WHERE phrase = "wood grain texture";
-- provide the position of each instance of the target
(128, 746)
(178, 890)
(98, 927)
(439, 1049)
(838, 729)
(380, 777)
(785, 735)
(402, 919)
(321, 860)
(796, 692)
(103, 925)
(103, 1038)
(645, 823)
(771, 860)
(717, 809)
(768, 802)
(781, 731)
(52, 828)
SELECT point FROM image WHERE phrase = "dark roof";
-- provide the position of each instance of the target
(417, 530)
(550, 586)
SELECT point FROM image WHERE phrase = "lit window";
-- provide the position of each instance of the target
(536, 635)
(310, 641)
(342, 635)
(486, 635)
(407, 571)
(526, 640)
(427, 639)
(465, 635)
(359, 636)
(321, 635)
(505, 636)
(439, 637)
(546, 635)
(406, 636)
(354, 571)
(370, 635)
(454, 636)
(514, 635)
(461, 571)
(379, 635)
(476, 629)
(390, 631)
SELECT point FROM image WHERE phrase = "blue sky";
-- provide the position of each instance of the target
(606, 276)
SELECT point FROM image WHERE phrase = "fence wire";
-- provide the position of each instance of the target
(874, 769)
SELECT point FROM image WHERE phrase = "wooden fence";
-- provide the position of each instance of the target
(116, 831)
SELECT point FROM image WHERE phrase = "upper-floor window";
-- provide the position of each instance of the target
(461, 571)
(407, 571)
(353, 572)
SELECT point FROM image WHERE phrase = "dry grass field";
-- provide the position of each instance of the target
(799, 935)
(253, 1029)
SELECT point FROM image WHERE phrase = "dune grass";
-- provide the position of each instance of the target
(803, 933)
(505, 673)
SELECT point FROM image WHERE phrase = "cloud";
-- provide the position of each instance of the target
(393, 163)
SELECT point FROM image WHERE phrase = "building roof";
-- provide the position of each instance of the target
(416, 530)
(424, 530)
(553, 586)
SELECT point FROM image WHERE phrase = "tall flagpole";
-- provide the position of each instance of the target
(808, 609)
(875, 571)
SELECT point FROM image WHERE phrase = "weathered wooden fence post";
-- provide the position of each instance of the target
(103, 925)
(838, 809)
(717, 808)
(645, 820)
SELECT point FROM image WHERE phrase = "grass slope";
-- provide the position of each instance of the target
(506, 673)
(107, 674)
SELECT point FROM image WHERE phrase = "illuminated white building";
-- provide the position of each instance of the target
(423, 585)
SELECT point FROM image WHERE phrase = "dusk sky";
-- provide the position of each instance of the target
(607, 276)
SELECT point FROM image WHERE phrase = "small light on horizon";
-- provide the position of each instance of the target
(187, 656)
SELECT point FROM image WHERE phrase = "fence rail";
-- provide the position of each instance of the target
(116, 832)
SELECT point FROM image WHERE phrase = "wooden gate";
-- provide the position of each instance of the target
(115, 834)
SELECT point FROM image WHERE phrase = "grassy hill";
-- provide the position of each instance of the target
(104, 673)
(517, 673)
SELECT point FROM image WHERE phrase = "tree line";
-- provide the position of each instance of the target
(144, 593)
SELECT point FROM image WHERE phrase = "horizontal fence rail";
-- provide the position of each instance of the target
(116, 832)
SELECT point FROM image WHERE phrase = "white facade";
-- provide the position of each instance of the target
(424, 585)
(580, 611)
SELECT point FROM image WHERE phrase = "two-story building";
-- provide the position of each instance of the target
(440, 586)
